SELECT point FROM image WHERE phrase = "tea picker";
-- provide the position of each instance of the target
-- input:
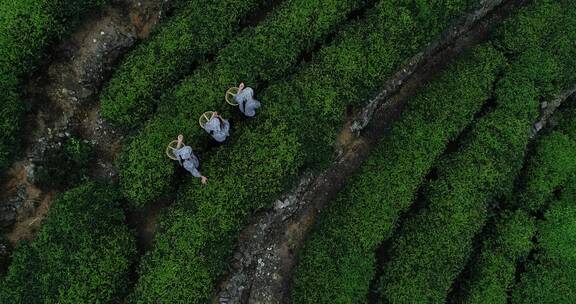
(176, 150)
(215, 125)
(244, 98)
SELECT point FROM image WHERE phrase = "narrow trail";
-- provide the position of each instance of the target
(63, 94)
(262, 265)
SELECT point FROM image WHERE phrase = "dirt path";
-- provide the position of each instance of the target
(268, 247)
(64, 96)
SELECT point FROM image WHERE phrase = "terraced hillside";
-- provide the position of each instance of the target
(405, 152)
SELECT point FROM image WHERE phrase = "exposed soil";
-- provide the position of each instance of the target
(64, 97)
(267, 253)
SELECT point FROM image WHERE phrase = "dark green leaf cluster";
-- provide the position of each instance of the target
(435, 245)
(200, 28)
(338, 260)
(82, 254)
(493, 272)
(65, 165)
(27, 27)
(551, 276)
(299, 121)
(261, 54)
(549, 169)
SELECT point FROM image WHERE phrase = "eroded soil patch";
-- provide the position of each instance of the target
(63, 94)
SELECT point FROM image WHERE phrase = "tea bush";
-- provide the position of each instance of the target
(82, 254)
(433, 246)
(551, 277)
(200, 230)
(493, 272)
(259, 55)
(198, 29)
(341, 250)
(336, 263)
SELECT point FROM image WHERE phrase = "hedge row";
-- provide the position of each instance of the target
(341, 250)
(200, 230)
(434, 246)
(257, 56)
(27, 28)
(493, 272)
(551, 276)
(199, 28)
(82, 254)
(550, 167)
(336, 263)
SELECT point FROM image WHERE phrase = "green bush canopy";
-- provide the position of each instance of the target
(293, 29)
(551, 276)
(83, 253)
(200, 229)
(198, 29)
(432, 248)
(549, 169)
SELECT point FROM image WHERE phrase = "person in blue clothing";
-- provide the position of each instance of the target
(246, 101)
(217, 127)
(188, 160)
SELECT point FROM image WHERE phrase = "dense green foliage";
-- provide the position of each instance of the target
(432, 247)
(201, 228)
(551, 276)
(337, 262)
(82, 254)
(493, 272)
(199, 28)
(65, 165)
(549, 168)
(341, 249)
(294, 28)
(27, 27)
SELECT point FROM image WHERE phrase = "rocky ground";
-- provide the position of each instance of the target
(64, 97)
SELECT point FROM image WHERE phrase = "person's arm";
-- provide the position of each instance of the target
(180, 141)
(196, 173)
